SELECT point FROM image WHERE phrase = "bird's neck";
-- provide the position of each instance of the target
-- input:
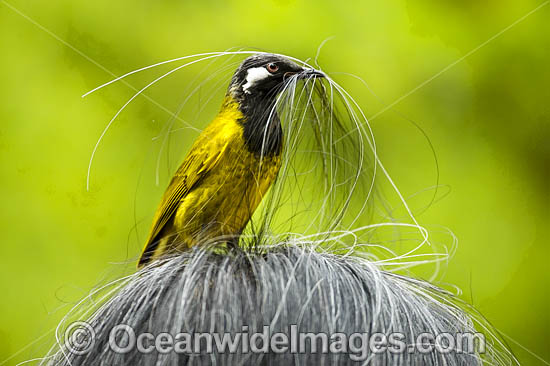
(262, 130)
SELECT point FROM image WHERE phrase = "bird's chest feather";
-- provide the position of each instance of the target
(231, 191)
(242, 178)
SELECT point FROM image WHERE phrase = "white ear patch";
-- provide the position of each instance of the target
(253, 76)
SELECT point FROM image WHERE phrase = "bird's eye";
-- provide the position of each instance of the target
(272, 67)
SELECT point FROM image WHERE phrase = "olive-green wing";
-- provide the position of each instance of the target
(202, 158)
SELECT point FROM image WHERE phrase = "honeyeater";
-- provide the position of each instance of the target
(230, 166)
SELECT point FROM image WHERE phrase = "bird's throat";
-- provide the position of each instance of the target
(262, 130)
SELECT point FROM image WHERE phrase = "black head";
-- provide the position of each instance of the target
(255, 86)
(264, 75)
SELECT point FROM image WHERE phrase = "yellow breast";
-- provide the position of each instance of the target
(224, 201)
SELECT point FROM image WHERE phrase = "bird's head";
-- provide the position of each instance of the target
(254, 88)
(264, 76)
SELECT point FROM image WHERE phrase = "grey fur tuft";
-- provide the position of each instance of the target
(201, 291)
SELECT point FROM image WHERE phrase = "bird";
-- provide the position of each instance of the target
(230, 166)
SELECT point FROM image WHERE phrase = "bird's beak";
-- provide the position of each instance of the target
(306, 73)
(310, 74)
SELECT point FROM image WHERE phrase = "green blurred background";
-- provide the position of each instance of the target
(487, 117)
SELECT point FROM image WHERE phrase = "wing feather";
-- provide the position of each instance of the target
(201, 159)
